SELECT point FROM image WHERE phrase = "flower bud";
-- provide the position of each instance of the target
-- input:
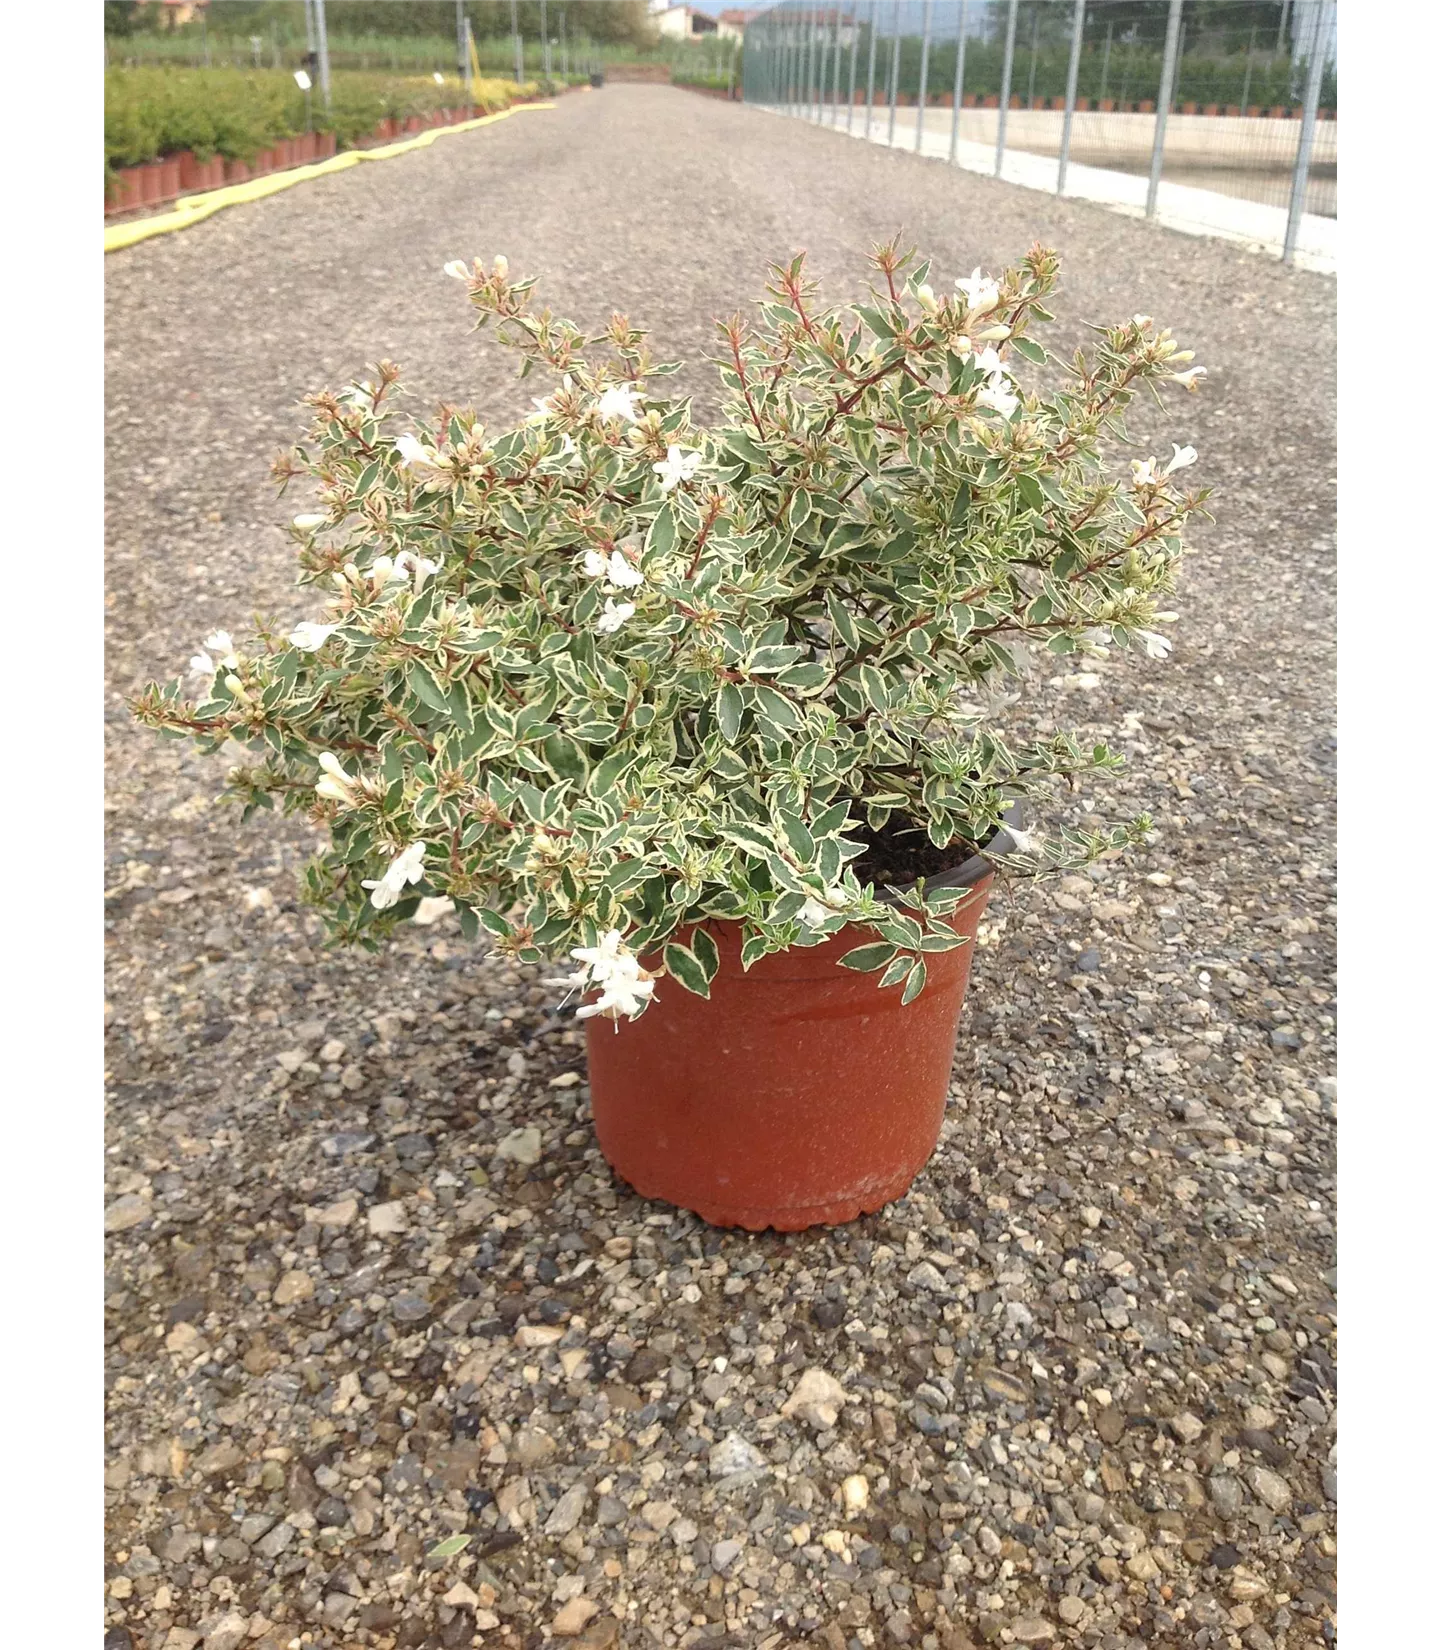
(994, 332)
(502, 266)
(926, 295)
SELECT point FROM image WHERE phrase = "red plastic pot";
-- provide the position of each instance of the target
(799, 1094)
(127, 193)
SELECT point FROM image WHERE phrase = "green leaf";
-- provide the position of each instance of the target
(707, 953)
(896, 972)
(451, 1545)
(802, 844)
(686, 967)
(914, 982)
(663, 532)
(749, 837)
(729, 709)
(865, 959)
(426, 689)
(1030, 350)
(744, 447)
(775, 708)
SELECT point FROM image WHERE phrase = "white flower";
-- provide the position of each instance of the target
(610, 964)
(987, 361)
(617, 570)
(815, 912)
(1183, 458)
(308, 523)
(1142, 321)
(980, 292)
(677, 467)
(458, 268)
(1142, 471)
(1156, 645)
(1188, 379)
(201, 664)
(220, 643)
(414, 454)
(615, 614)
(620, 401)
(601, 958)
(627, 997)
(432, 908)
(996, 394)
(407, 866)
(421, 566)
(337, 784)
(568, 447)
(1022, 842)
(310, 637)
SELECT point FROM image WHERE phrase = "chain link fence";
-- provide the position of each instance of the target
(1203, 112)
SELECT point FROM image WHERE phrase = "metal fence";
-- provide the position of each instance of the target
(1235, 98)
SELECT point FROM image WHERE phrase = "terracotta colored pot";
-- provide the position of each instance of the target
(1147, 106)
(967, 100)
(190, 168)
(305, 149)
(1189, 108)
(1212, 109)
(1016, 101)
(263, 162)
(1107, 105)
(413, 124)
(126, 192)
(1233, 109)
(797, 1095)
(324, 145)
(236, 171)
(992, 100)
(1254, 110)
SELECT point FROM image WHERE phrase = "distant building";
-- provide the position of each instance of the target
(176, 13)
(732, 23)
(685, 23)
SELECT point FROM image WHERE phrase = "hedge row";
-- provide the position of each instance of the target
(237, 113)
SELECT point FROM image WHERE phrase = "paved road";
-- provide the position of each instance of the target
(1135, 1187)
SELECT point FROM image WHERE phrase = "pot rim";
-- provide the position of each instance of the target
(973, 870)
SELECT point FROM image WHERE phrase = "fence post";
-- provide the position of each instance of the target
(959, 82)
(924, 80)
(519, 44)
(324, 51)
(461, 61)
(815, 81)
(1008, 65)
(1072, 80)
(545, 47)
(870, 72)
(1162, 103)
(894, 75)
(1315, 71)
(854, 54)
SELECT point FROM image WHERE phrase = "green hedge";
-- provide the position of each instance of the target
(236, 113)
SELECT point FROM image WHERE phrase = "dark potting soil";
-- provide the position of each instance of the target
(900, 853)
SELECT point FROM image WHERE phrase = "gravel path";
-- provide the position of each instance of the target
(355, 1307)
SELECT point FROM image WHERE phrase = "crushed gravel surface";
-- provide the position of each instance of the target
(371, 1285)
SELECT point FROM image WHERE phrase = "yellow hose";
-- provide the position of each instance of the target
(194, 208)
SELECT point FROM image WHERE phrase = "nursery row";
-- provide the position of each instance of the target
(239, 115)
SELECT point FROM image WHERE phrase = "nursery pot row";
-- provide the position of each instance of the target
(798, 1094)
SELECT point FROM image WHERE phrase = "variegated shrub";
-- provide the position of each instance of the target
(605, 675)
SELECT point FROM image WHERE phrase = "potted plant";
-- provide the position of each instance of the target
(717, 717)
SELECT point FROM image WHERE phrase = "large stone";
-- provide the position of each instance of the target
(817, 1399)
(736, 1460)
(522, 1146)
(567, 1511)
(573, 1616)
